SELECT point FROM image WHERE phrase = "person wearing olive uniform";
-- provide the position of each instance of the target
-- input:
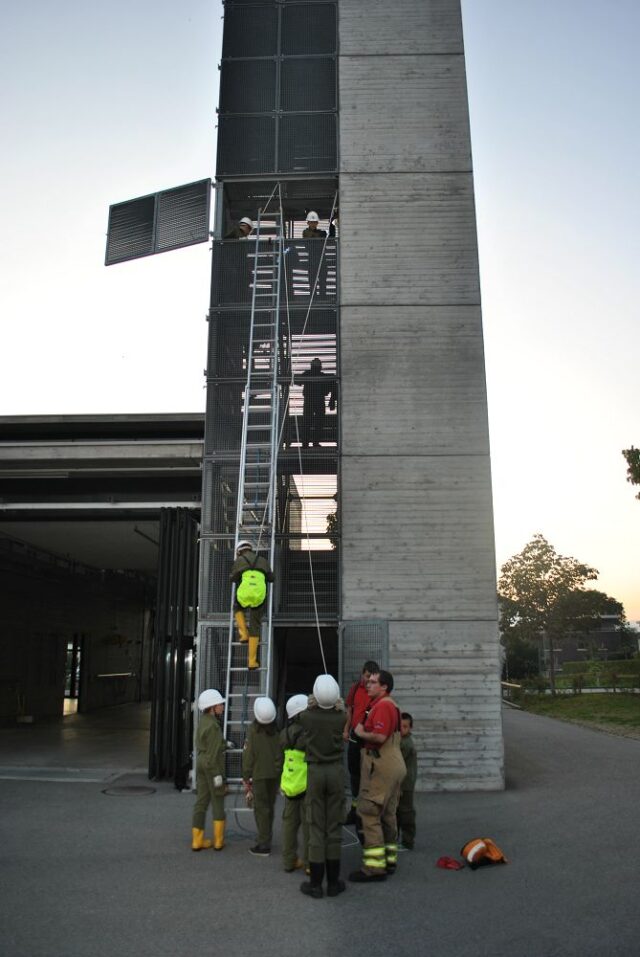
(406, 812)
(382, 772)
(293, 815)
(261, 763)
(210, 786)
(323, 723)
(248, 561)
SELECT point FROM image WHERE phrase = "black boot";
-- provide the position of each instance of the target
(334, 885)
(313, 888)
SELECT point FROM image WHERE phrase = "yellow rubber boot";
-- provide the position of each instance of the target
(253, 662)
(242, 626)
(218, 835)
(198, 842)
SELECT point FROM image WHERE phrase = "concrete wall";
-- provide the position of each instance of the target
(416, 490)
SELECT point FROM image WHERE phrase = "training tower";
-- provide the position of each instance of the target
(372, 502)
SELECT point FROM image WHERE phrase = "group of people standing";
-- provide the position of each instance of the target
(306, 762)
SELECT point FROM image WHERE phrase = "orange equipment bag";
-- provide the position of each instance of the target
(481, 851)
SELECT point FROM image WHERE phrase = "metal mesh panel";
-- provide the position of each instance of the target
(219, 498)
(296, 594)
(361, 641)
(308, 28)
(307, 143)
(215, 588)
(223, 421)
(182, 216)
(130, 230)
(304, 337)
(250, 31)
(232, 272)
(248, 86)
(212, 658)
(307, 268)
(308, 85)
(246, 144)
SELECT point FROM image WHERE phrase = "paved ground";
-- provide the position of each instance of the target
(84, 873)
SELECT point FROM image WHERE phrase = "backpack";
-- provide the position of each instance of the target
(481, 851)
(293, 781)
(252, 590)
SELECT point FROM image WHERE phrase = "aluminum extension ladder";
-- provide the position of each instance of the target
(255, 514)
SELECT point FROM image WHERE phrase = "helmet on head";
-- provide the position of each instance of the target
(209, 698)
(242, 545)
(296, 704)
(326, 691)
(245, 221)
(264, 710)
(313, 217)
(316, 364)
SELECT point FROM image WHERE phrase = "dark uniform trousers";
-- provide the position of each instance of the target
(294, 818)
(325, 810)
(207, 792)
(406, 817)
(265, 792)
(380, 781)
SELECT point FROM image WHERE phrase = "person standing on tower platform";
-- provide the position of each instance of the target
(243, 229)
(316, 386)
(261, 762)
(210, 747)
(322, 724)
(382, 772)
(250, 573)
(358, 703)
(312, 231)
(406, 813)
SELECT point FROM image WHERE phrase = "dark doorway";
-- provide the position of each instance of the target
(298, 659)
(72, 672)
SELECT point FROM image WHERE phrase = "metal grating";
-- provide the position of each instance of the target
(308, 28)
(248, 86)
(159, 222)
(215, 590)
(250, 31)
(307, 143)
(304, 336)
(232, 272)
(361, 641)
(296, 600)
(246, 145)
(308, 84)
(130, 229)
(182, 216)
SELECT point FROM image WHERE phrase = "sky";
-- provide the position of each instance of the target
(102, 103)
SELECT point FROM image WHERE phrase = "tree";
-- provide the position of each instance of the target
(633, 462)
(537, 595)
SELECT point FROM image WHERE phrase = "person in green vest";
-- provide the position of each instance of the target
(261, 764)
(323, 724)
(210, 784)
(293, 785)
(250, 573)
(406, 813)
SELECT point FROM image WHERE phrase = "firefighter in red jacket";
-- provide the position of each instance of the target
(382, 772)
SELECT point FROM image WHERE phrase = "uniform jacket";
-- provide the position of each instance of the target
(262, 755)
(245, 561)
(410, 755)
(314, 233)
(323, 729)
(210, 745)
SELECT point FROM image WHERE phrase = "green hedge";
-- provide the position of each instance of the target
(628, 666)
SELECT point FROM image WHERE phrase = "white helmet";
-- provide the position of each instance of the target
(208, 698)
(246, 221)
(264, 710)
(313, 217)
(296, 704)
(326, 691)
(245, 544)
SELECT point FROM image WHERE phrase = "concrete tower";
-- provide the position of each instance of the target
(361, 104)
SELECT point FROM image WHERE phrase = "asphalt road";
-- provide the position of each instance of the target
(87, 874)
